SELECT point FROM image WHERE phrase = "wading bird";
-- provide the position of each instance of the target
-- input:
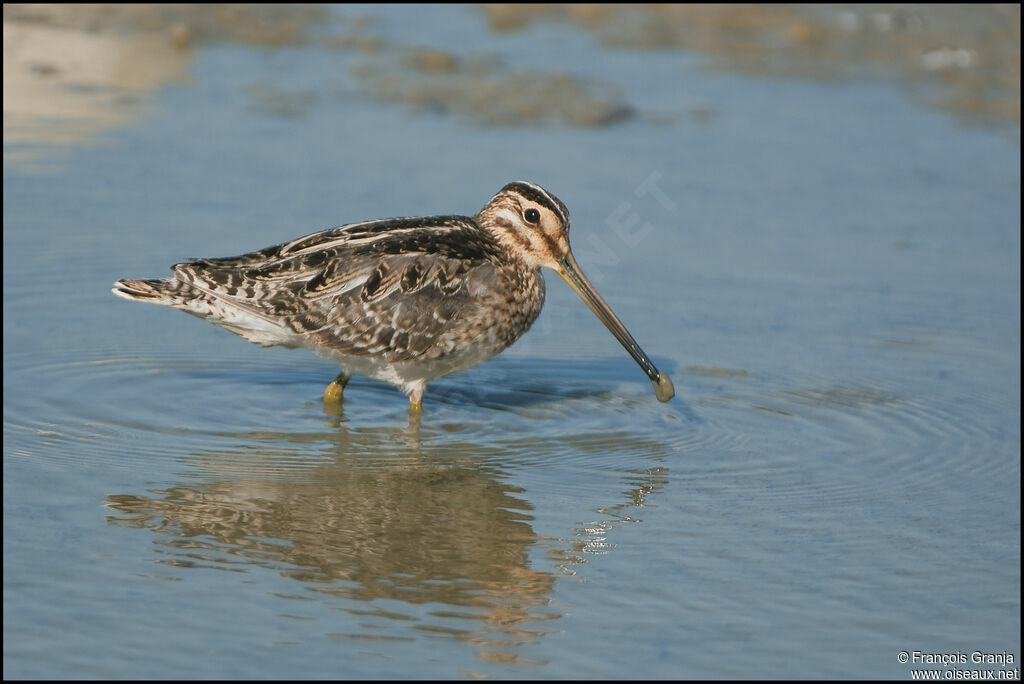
(403, 300)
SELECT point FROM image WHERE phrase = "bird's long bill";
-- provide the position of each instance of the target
(571, 273)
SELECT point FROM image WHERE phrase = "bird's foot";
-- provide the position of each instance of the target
(334, 391)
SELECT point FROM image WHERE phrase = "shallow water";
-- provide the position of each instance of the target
(828, 270)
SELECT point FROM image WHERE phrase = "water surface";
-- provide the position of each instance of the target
(828, 268)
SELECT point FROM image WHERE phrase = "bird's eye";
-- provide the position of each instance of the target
(531, 216)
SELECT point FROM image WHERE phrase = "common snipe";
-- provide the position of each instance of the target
(404, 300)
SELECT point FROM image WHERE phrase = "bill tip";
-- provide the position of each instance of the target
(663, 388)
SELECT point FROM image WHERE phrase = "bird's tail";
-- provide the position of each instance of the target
(169, 292)
(239, 318)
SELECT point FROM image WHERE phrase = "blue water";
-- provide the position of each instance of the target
(829, 272)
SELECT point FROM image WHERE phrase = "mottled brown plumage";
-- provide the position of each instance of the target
(404, 300)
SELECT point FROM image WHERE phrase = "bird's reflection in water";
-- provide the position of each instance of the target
(370, 518)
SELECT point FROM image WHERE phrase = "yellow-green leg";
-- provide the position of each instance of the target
(332, 395)
(416, 397)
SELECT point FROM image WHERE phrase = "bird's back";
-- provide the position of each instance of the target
(405, 289)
